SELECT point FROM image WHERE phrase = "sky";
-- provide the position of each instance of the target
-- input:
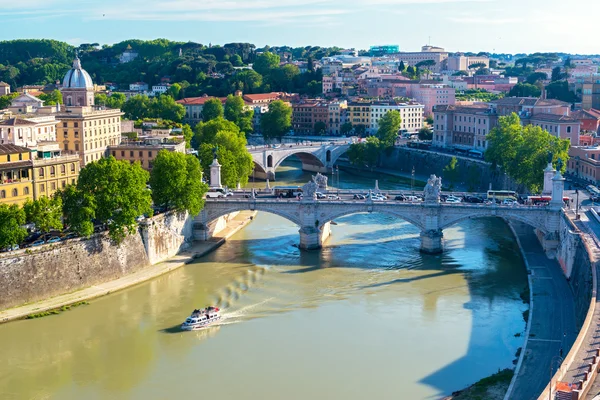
(501, 26)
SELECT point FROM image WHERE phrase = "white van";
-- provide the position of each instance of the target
(217, 192)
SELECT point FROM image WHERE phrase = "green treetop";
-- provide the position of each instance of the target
(389, 125)
(11, 219)
(234, 112)
(176, 182)
(522, 151)
(212, 109)
(276, 122)
(265, 63)
(45, 213)
(118, 194)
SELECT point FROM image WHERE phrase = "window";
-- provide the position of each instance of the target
(76, 146)
(73, 181)
(114, 153)
(52, 170)
(150, 154)
(3, 194)
(64, 184)
(64, 124)
(26, 190)
(41, 172)
(140, 154)
(15, 192)
(122, 153)
(76, 125)
(72, 167)
(131, 153)
(42, 188)
(568, 129)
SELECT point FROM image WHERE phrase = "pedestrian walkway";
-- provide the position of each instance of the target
(553, 326)
(198, 249)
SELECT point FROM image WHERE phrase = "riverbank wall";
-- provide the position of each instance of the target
(473, 175)
(38, 273)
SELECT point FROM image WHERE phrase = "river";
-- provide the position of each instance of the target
(368, 316)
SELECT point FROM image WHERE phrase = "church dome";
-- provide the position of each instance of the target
(77, 77)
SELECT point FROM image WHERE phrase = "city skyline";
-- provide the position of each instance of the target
(508, 26)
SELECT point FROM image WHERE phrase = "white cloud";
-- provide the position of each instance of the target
(482, 20)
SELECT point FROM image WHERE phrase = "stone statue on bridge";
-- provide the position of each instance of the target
(309, 190)
(432, 189)
(320, 180)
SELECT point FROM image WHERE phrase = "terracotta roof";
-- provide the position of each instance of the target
(4, 84)
(198, 101)
(586, 114)
(528, 101)
(16, 121)
(262, 96)
(12, 149)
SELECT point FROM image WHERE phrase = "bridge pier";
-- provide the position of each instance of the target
(312, 237)
(431, 241)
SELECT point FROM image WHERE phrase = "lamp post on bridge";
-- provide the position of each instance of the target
(577, 204)
(412, 179)
(560, 360)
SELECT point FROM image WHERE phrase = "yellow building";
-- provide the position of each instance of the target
(359, 114)
(53, 171)
(16, 175)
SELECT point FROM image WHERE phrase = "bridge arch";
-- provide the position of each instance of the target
(536, 223)
(306, 158)
(207, 217)
(405, 216)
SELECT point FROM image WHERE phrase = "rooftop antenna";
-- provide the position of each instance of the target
(429, 40)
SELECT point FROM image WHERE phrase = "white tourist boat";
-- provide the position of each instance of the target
(201, 319)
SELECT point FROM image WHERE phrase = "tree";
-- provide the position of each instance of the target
(389, 125)
(522, 151)
(236, 60)
(401, 66)
(320, 128)
(524, 90)
(557, 75)
(560, 90)
(282, 78)
(118, 194)
(78, 210)
(426, 65)
(359, 130)
(532, 79)
(212, 109)
(51, 99)
(451, 172)
(206, 132)
(425, 133)
(176, 182)
(45, 213)
(346, 128)
(248, 81)
(6, 100)
(11, 219)
(234, 112)
(365, 154)
(188, 134)
(276, 122)
(174, 91)
(265, 63)
(236, 162)
(477, 65)
(460, 73)
(429, 119)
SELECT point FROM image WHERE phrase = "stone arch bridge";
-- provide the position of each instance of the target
(313, 217)
(316, 157)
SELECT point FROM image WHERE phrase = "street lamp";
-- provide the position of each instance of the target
(337, 170)
(412, 179)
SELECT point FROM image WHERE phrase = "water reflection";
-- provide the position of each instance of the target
(367, 308)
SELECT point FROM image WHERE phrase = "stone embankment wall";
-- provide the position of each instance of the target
(38, 273)
(477, 174)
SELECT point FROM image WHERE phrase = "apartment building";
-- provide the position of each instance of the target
(28, 130)
(584, 163)
(16, 180)
(437, 54)
(193, 107)
(410, 113)
(460, 62)
(590, 94)
(52, 170)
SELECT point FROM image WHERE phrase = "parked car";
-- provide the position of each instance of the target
(453, 199)
(400, 197)
(70, 235)
(320, 195)
(333, 197)
(11, 248)
(509, 202)
(217, 192)
(38, 242)
(359, 196)
(53, 239)
(473, 199)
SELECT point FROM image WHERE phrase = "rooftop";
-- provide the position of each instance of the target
(15, 122)
(13, 149)
(198, 101)
(553, 118)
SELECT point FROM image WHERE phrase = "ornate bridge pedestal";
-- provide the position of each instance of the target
(431, 241)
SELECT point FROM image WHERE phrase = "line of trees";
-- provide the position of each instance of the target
(366, 154)
(112, 195)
